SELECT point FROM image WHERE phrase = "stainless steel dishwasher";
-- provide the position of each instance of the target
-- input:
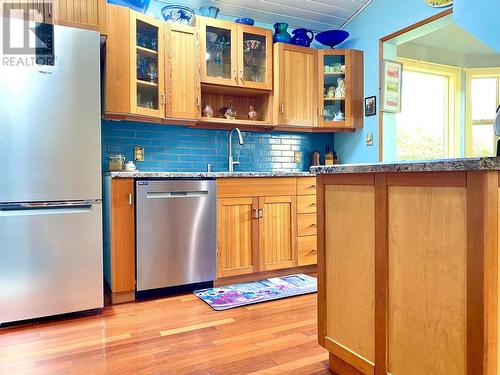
(175, 232)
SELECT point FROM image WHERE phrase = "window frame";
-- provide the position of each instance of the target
(470, 74)
(452, 131)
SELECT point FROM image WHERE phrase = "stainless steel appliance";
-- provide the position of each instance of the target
(50, 182)
(176, 232)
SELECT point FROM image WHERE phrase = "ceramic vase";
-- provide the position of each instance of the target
(281, 34)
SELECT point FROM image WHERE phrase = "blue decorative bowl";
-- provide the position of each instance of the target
(331, 38)
(178, 14)
(138, 5)
(208, 11)
(245, 21)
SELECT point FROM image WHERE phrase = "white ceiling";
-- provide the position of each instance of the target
(450, 45)
(318, 15)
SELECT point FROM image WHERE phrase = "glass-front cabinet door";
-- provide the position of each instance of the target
(333, 81)
(218, 46)
(147, 56)
(255, 57)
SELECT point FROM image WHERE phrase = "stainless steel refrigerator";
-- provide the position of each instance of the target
(50, 182)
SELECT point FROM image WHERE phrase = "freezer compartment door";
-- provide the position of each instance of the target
(50, 123)
(176, 233)
(51, 259)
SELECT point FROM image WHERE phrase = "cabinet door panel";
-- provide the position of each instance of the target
(219, 41)
(277, 232)
(307, 250)
(296, 97)
(122, 235)
(147, 65)
(236, 237)
(86, 14)
(255, 62)
(183, 77)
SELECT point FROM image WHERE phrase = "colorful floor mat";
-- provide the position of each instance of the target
(235, 295)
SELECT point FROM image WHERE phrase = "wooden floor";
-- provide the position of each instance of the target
(176, 335)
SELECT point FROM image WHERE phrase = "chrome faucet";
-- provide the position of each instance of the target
(231, 162)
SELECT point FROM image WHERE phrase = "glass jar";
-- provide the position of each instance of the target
(116, 162)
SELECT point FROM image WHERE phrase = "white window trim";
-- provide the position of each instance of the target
(470, 74)
(452, 130)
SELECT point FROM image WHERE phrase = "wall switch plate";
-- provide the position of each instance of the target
(369, 139)
(297, 155)
(138, 153)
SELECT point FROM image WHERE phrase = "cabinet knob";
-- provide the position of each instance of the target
(255, 213)
(282, 108)
(130, 200)
(261, 213)
(163, 101)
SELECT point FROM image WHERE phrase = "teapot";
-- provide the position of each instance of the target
(301, 38)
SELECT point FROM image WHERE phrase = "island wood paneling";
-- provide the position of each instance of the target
(350, 269)
(427, 280)
(436, 272)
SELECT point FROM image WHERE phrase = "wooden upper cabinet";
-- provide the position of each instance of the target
(237, 236)
(235, 55)
(340, 88)
(295, 82)
(183, 71)
(147, 65)
(85, 14)
(277, 233)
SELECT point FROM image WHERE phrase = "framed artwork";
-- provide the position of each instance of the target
(392, 74)
(371, 106)
(439, 3)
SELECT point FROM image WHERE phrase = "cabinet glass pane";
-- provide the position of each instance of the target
(218, 57)
(254, 58)
(147, 65)
(334, 85)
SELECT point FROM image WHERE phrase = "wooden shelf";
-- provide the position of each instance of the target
(147, 50)
(146, 83)
(235, 122)
(333, 99)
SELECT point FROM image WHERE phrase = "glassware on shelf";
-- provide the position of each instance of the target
(254, 55)
(252, 114)
(218, 56)
(230, 112)
(208, 111)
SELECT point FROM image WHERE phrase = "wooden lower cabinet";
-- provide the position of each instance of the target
(276, 232)
(119, 238)
(257, 231)
(237, 241)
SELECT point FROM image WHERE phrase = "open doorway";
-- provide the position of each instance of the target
(449, 95)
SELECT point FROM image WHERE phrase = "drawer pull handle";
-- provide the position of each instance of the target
(313, 251)
(312, 186)
(313, 225)
(312, 204)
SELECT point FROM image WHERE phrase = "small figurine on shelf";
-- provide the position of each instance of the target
(252, 114)
(208, 111)
(330, 94)
(230, 112)
(340, 90)
(339, 116)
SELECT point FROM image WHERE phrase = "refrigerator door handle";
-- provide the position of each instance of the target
(31, 209)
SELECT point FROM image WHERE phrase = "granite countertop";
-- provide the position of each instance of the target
(440, 165)
(140, 174)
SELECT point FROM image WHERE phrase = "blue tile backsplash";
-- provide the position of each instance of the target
(177, 148)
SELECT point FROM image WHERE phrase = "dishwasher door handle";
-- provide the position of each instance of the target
(176, 194)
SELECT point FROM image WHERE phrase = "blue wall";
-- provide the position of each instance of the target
(177, 148)
(380, 18)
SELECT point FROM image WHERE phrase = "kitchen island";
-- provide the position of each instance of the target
(408, 266)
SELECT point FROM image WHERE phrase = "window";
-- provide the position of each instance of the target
(427, 126)
(483, 94)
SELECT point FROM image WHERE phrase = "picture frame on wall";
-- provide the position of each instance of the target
(371, 106)
(392, 76)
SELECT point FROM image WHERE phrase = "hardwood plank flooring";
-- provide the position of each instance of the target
(174, 335)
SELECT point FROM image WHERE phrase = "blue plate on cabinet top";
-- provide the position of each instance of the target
(331, 38)
(245, 21)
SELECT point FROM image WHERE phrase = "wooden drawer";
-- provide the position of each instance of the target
(308, 250)
(306, 225)
(306, 185)
(306, 204)
(232, 187)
